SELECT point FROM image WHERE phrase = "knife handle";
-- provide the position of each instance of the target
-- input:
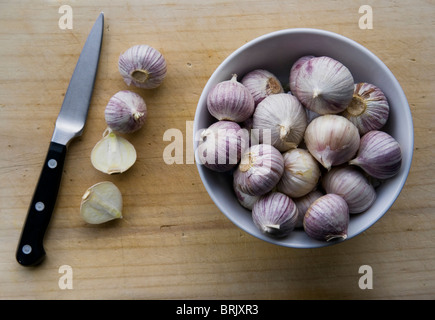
(30, 249)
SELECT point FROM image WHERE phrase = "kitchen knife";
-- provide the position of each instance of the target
(69, 124)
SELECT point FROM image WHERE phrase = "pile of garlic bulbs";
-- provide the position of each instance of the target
(306, 158)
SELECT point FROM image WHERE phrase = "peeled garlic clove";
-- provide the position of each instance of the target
(260, 169)
(369, 108)
(283, 118)
(126, 112)
(303, 203)
(219, 147)
(324, 85)
(275, 214)
(301, 173)
(379, 155)
(351, 184)
(143, 66)
(261, 83)
(230, 100)
(332, 140)
(113, 154)
(327, 218)
(246, 200)
(101, 203)
(295, 70)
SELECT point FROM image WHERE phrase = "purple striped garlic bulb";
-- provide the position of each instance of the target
(379, 155)
(295, 70)
(219, 147)
(303, 203)
(230, 100)
(352, 185)
(327, 218)
(324, 85)
(143, 66)
(369, 108)
(275, 214)
(261, 83)
(260, 169)
(332, 140)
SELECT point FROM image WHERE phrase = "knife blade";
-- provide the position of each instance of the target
(69, 124)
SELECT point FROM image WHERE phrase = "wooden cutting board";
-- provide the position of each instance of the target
(173, 242)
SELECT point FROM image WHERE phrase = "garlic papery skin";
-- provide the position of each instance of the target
(351, 184)
(332, 140)
(275, 214)
(247, 201)
(101, 203)
(125, 112)
(113, 154)
(230, 100)
(259, 170)
(284, 118)
(295, 70)
(219, 147)
(261, 83)
(303, 203)
(142, 66)
(379, 155)
(327, 218)
(301, 173)
(368, 109)
(324, 85)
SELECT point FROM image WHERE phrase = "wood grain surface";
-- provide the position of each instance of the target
(173, 242)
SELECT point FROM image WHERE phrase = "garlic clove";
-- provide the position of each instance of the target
(327, 218)
(332, 140)
(113, 154)
(247, 201)
(219, 147)
(295, 70)
(125, 112)
(379, 155)
(142, 66)
(303, 203)
(368, 109)
(261, 83)
(275, 214)
(284, 118)
(259, 170)
(324, 85)
(101, 203)
(301, 173)
(351, 184)
(230, 100)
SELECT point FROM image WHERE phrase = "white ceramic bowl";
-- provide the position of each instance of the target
(276, 52)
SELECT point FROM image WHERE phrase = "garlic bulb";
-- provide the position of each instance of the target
(301, 173)
(275, 214)
(351, 184)
(369, 108)
(324, 85)
(261, 83)
(126, 112)
(101, 203)
(327, 218)
(219, 148)
(260, 169)
(379, 155)
(295, 70)
(113, 154)
(143, 66)
(230, 100)
(283, 117)
(303, 203)
(246, 200)
(332, 140)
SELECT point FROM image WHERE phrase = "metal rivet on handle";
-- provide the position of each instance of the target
(52, 163)
(26, 249)
(39, 206)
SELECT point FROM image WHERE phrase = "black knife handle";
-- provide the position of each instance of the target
(30, 249)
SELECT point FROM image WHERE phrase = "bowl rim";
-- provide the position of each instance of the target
(319, 32)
